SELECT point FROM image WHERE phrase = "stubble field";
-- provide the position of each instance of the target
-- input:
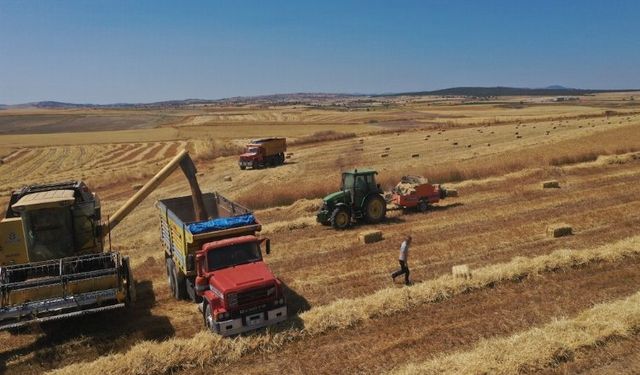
(534, 304)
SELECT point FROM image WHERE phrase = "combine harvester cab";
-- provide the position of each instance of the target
(217, 262)
(52, 263)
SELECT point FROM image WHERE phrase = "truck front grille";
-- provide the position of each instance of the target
(259, 294)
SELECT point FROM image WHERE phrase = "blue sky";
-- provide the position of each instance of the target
(140, 51)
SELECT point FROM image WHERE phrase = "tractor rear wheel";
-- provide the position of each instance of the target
(340, 218)
(375, 209)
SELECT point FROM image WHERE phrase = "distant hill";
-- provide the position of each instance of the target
(557, 87)
(505, 91)
(314, 98)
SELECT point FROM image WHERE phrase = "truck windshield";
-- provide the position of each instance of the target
(252, 150)
(233, 255)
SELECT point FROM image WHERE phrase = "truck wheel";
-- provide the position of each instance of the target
(243, 167)
(169, 264)
(178, 287)
(208, 318)
(340, 218)
(423, 206)
(281, 158)
(375, 209)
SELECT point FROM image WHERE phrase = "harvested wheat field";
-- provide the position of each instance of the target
(529, 302)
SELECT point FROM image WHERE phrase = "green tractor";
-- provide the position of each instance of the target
(359, 199)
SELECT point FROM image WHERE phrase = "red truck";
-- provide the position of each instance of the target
(263, 152)
(218, 264)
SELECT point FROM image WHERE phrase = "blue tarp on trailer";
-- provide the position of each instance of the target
(222, 223)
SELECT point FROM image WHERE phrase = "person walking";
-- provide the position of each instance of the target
(404, 256)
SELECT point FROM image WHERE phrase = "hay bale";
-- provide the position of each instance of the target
(452, 193)
(461, 271)
(518, 136)
(488, 144)
(559, 230)
(551, 184)
(468, 146)
(289, 153)
(137, 186)
(415, 155)
(387, 148)
(227, 178)
(359, 149)
(370, 236)
(384, 155)
(455, 143)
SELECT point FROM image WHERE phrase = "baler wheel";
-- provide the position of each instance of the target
(423, 206)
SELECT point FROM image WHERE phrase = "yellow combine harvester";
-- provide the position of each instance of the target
(52, 259)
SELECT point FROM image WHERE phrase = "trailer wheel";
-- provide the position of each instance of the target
(423, 206)
(243, 167)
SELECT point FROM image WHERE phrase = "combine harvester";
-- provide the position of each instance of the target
(53, 262)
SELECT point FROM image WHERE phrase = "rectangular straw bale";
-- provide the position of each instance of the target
(452, 193)
(384, 155)
(559, 230)
(551, 184)
(370, 236)
(461, 271)
(415, 155)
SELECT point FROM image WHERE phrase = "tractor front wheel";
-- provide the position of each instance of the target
(375, 209)
(340, 219)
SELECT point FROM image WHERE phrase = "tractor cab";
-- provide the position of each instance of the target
(359, 198)
(359, 183)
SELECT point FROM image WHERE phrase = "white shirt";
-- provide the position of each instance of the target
(404, 251)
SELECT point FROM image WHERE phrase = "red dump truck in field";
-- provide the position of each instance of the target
(218, 264)
(263, 152)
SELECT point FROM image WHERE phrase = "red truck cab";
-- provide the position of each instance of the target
(239, 291)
